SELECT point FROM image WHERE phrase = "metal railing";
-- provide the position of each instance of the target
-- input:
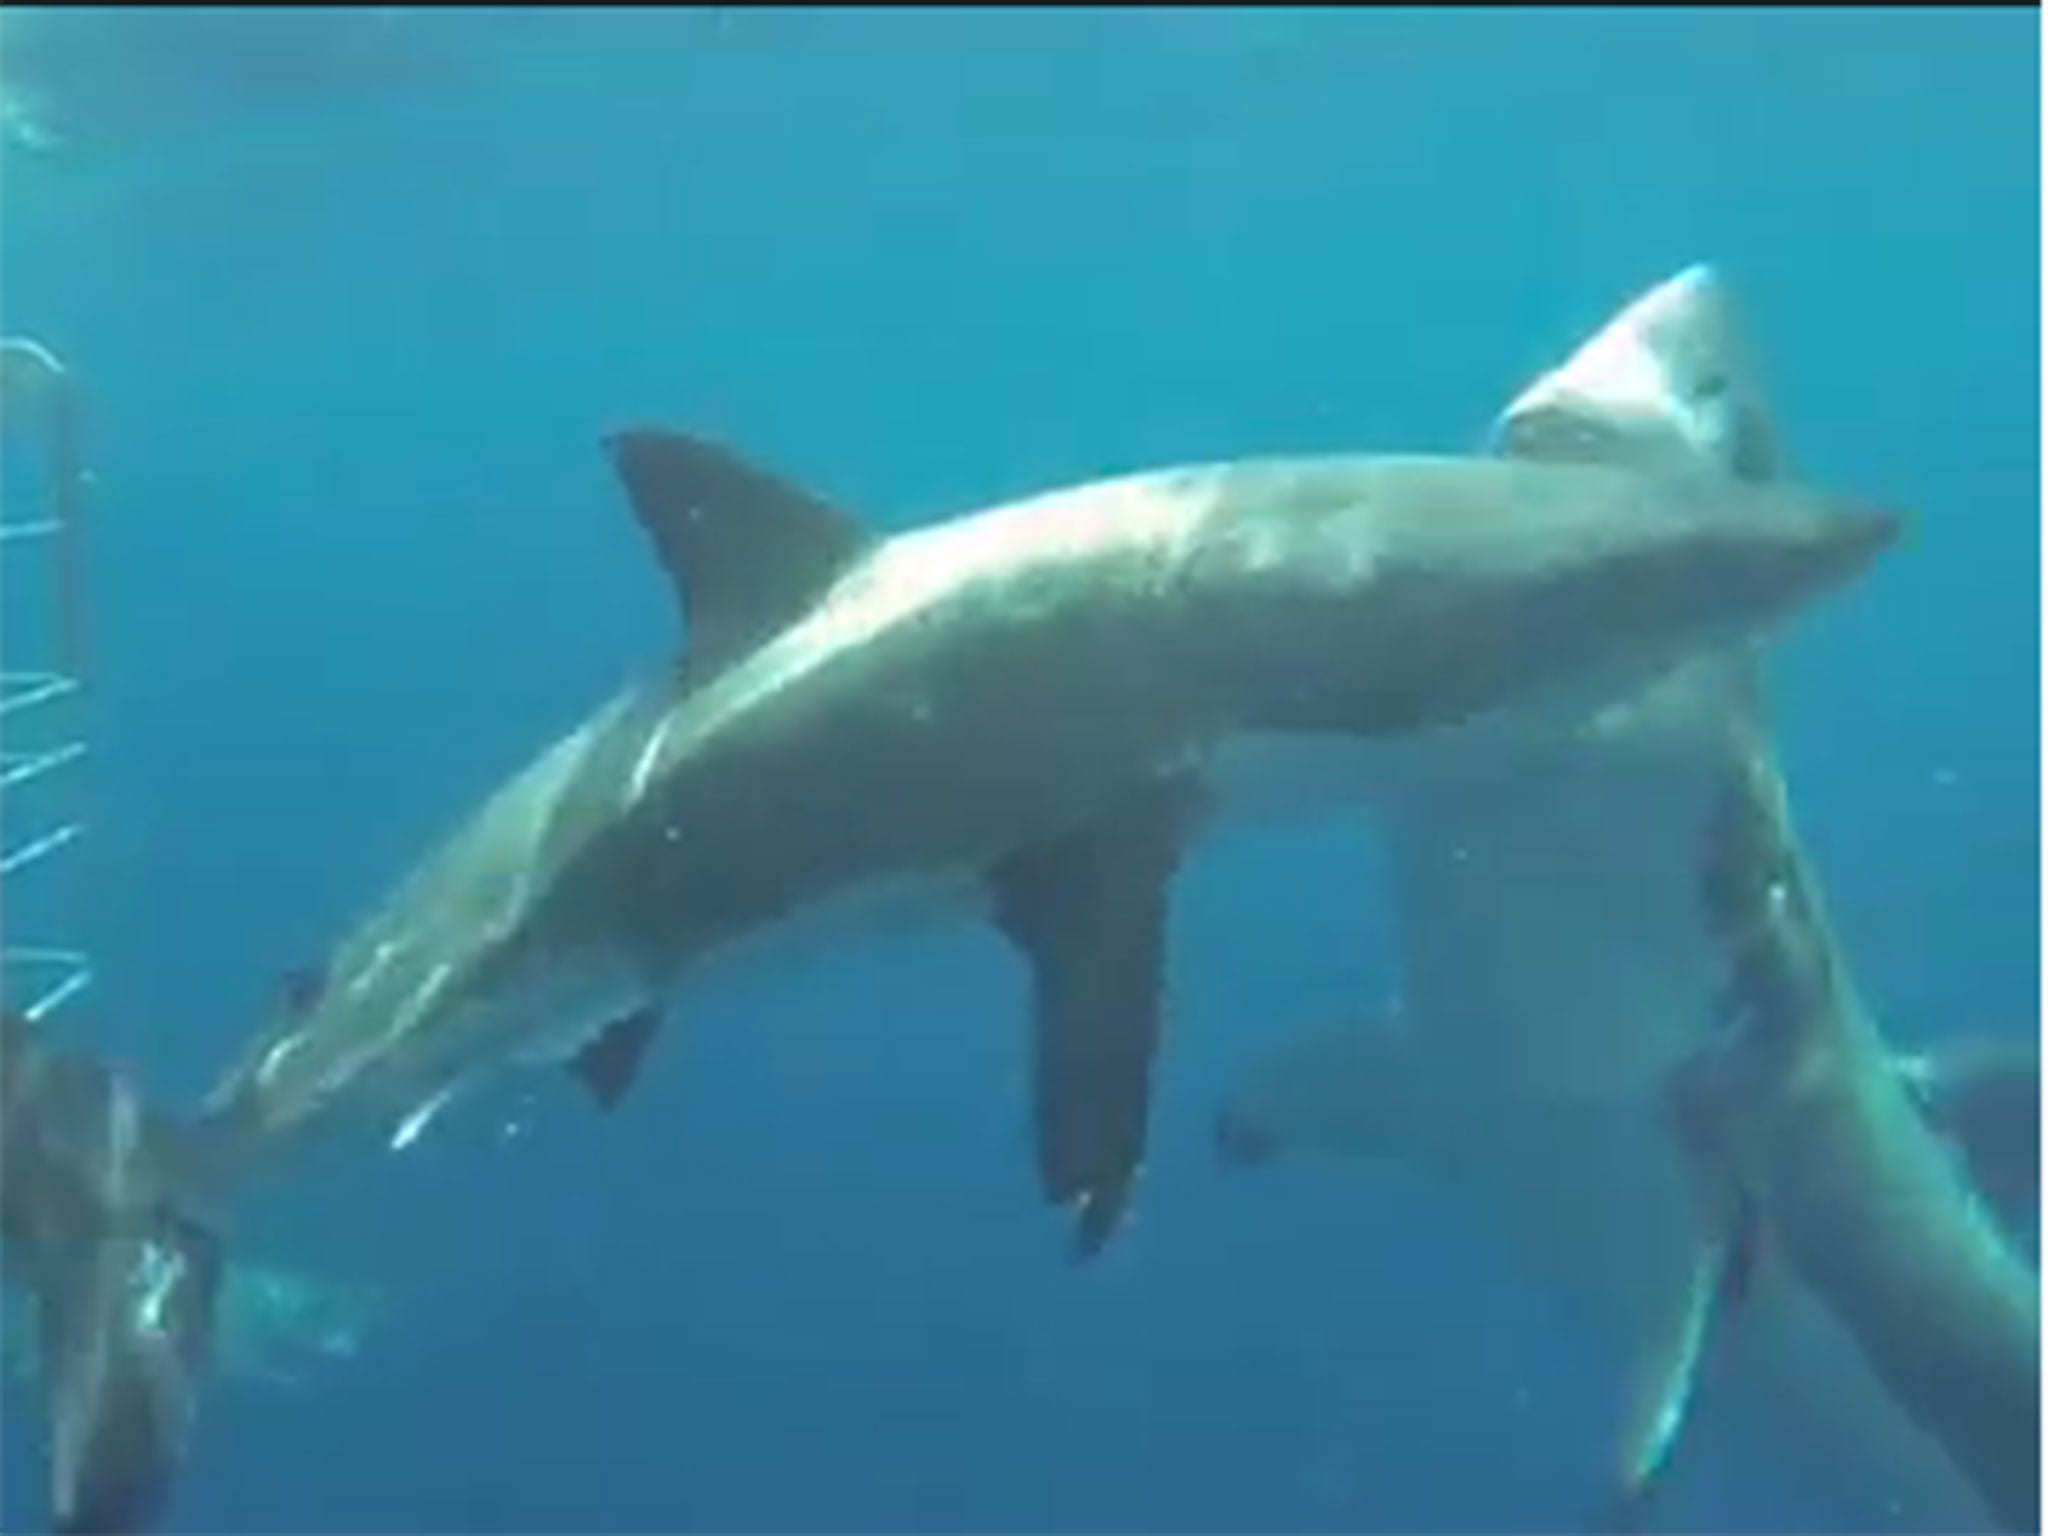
(42, 736)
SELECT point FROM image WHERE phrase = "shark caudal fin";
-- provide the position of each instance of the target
(105, 1228)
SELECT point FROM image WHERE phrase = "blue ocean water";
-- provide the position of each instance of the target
(353, 295)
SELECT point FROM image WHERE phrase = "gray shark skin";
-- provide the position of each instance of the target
(122, 1270)
(1557, 965)
(1984, 1097)
(1799, 1119)
(1020, 707)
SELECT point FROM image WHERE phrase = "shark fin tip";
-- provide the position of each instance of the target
(609, 1064)
(1098, 1217)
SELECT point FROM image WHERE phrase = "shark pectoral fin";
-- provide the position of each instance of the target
(1662, 1391)
(1716, 1282)
(609, 1063)
(744, 550)
(1088, 913)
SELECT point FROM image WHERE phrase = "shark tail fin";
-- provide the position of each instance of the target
(106, 1215)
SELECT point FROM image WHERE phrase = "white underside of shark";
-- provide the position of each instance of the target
(1554, 967)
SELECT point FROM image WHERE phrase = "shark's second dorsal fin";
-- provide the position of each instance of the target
(744, 550)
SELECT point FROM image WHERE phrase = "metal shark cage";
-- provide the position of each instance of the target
(43, 963)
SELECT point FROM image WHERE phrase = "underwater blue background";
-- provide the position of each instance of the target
(353, 296)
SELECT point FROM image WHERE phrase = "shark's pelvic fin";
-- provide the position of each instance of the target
(609, 1064)
(745, 551)
(1088, 913)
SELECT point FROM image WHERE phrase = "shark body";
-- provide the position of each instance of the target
(1028, 708)
(1803, 1127)
(1031, 709)
(1557, 965)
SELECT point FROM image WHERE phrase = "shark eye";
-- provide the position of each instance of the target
(1711, 386)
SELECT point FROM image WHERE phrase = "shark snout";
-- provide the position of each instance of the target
(1870, 531)
(1732, 560)
(1842, 541)
(632, 450)
(1783, 552)
(633, 438)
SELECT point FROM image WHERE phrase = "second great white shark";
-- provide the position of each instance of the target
(1556, 964)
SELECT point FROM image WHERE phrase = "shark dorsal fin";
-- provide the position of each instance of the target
(744, 550)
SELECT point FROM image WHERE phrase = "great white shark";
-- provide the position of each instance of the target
(1807, 1137)
(1556, 965)
(1028, 710)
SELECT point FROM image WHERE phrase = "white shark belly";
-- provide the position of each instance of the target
(1552, 922)
(1557, 965)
